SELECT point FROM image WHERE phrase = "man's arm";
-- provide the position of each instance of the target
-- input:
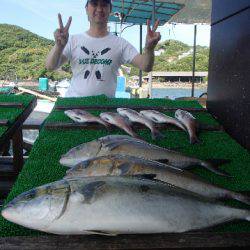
(145, 61)
(55, 57)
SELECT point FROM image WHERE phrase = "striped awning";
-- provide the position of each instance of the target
(137, 12)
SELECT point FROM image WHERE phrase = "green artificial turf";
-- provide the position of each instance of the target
(43, 164)
(12, 113)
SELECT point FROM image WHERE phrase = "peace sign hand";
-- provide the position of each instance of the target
(152, 37)
(62, 34)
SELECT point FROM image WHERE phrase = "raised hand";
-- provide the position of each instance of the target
(152, 37)
(62, 34)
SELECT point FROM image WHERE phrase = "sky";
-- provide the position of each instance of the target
(40, 17)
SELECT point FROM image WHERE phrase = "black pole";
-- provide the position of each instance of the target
(140, 72)
(194, 57)
(150, 73)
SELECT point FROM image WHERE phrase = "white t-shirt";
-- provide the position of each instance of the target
(95, 63)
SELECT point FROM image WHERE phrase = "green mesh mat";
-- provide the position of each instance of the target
(43, 164)
(12, 113)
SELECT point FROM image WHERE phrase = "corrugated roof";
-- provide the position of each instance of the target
(195, 11)
(137, 12)
(172, 11)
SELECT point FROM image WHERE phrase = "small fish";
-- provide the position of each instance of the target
(134, 116)
(120, 165)
(112, 205)
(79, 115)
(189, 121)
(159, 117)
(118, 121)
(126, 145)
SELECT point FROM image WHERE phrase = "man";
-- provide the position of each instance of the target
(96, 55)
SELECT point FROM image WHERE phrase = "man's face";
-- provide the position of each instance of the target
(98, 11)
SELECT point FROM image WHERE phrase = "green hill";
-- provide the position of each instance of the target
(178, 56)
(22, 55)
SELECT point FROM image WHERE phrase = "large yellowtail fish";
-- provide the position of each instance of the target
(112, 205)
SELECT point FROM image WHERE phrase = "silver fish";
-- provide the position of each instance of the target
(125, 145)
(118, 121)
(79, 115)
(159, 117)
(116, 205)
(190, 123)
(134, 116)
(119, 165)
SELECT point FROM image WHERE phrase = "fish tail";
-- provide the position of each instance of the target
(240, 197)
(194, 140)
(215, 169)
(156, 134)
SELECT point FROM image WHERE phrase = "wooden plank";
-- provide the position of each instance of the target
(4, 122)
(5, 148)
(96, 126)
(11, 105)
(9, 159)
(150, 241)
(112, 107)
(18, 150)
(17, 123)
(35, 93)
(7, 171)
(5, 187)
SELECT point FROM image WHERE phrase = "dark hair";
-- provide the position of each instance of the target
(107, 1)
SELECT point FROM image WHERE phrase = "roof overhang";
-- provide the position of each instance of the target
(137, 12)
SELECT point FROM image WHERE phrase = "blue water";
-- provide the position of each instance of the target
(173, 93)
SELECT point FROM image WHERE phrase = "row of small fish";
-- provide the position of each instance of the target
(183, 120)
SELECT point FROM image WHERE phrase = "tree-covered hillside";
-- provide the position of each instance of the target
(177, 56)
(23, 54)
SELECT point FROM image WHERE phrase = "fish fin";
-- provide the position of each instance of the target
(124, 168)
(99, 232)
(113, 145)
(164, 161)
(154, 119)
(145, 176)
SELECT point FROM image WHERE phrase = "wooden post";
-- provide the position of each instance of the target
(17, 141)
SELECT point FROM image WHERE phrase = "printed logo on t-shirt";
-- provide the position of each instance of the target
(95, 60)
